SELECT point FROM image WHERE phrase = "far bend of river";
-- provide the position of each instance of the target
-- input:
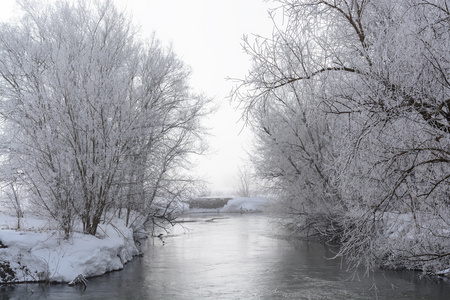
(237, 257)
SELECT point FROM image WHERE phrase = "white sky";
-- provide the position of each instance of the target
(207, 36)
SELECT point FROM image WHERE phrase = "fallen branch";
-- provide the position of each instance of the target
(80, 279)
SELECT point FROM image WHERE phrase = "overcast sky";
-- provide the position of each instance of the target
(206, 35)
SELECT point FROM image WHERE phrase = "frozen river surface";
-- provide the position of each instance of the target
(236, 257)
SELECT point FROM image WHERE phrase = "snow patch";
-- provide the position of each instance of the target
(445, 272)
(45, 256)
(254, 204)
(238, 205)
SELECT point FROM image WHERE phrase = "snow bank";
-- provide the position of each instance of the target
(33, 254)
(254, 204)
(238, 205)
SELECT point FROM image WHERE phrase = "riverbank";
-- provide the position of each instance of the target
(228, 204)
(37, 252)
(237, 256)
(384, 241)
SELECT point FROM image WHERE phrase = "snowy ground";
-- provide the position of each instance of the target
(238, 205)
(38, 253)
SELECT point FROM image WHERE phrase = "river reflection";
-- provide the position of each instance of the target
(237, 257)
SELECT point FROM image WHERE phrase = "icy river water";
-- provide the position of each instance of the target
(236, 257)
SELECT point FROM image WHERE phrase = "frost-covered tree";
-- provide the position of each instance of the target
(167, 132)
(350, 100)
(294, 146)
(12, 197)
(91, 112)
(245, 178)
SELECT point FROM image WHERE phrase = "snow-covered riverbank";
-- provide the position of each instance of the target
(231, 205)
(36, 252)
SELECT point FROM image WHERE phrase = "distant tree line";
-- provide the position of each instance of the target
(350, 103)
(95, 120)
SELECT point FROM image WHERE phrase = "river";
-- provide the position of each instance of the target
(237, 257)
